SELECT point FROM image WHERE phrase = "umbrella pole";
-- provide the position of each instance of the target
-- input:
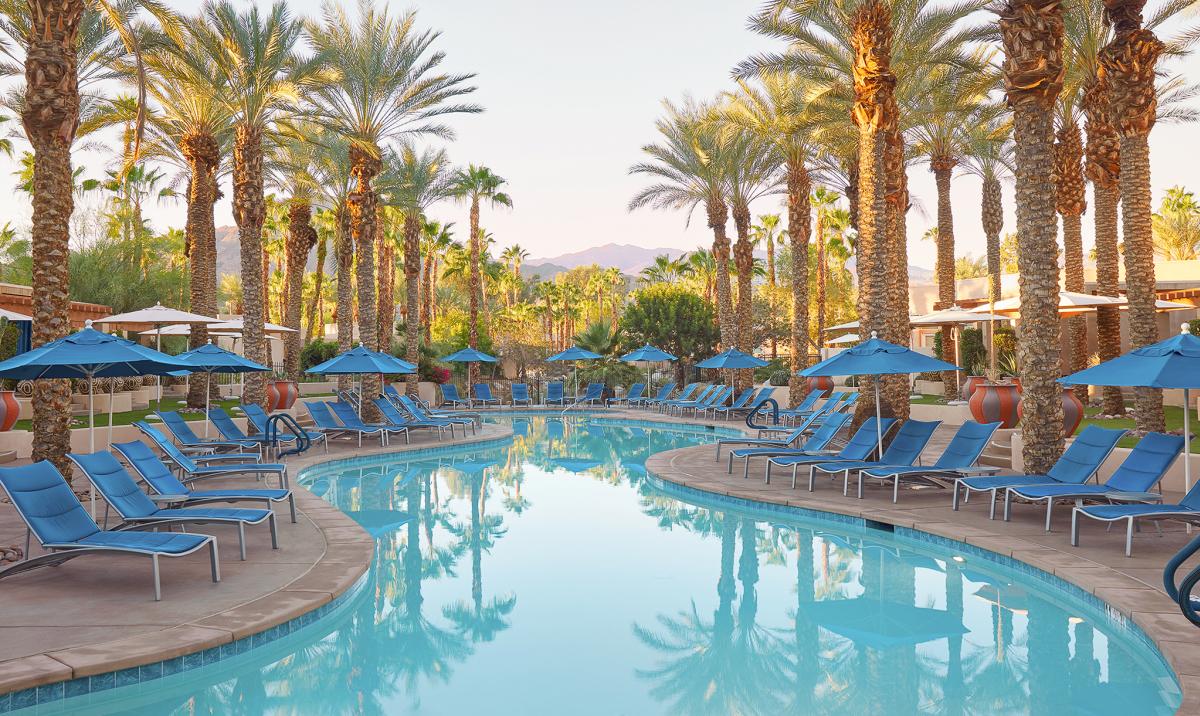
(878, 421)
(112, 394)
(207, 399)
(92, 438)
(158, 347)
(1187, 442)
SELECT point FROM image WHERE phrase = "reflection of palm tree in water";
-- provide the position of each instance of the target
(481, 622)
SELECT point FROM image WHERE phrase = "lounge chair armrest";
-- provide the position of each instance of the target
(228, 457)
(974, 470)
(1133, 496)
(168, 499)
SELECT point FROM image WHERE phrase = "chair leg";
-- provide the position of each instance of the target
(157, 583)
(954, 498)
(1049, 511)
(992, 509)
(860, 483)
(1129, 538)
(1075, 527)
(214, 561)
(292, 506)
(895, 487)
(1007, 498)
(274, 531)
(242, 539)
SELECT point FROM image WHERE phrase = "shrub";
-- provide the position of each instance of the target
(316, 352)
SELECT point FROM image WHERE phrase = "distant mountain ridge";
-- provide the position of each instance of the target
(627, 257)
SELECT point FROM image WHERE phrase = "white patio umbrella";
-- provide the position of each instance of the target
(843, 340)
(1068, 302)
(237, 324)
(955, 316)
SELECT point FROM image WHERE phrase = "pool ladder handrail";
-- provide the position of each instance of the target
(303, 441)
(1182, 594)
(759, 408)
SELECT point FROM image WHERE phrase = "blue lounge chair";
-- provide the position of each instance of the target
(155, 473)
(1135, 508)
(739, 402)
(554, 394)
(398, 419)
(784, 440)
(905, 448)
(808, 403)
(688, 392)
(1139, 472)
(862, 444)
(345, 413)
(816, 444)
(519, 393)
(120, 491)
(53, 515)
(419, 412)
(593, 394)
(258, 418)
(482, 393)
(717, 398)
(451, 397)
(663, 393)
(748, 407)
(709, 390)
(231, 432)
(189, 441)
(326, 424)
(635, 392)
(801, 411)
(963, 451)
(195, 467)
(1078, 463)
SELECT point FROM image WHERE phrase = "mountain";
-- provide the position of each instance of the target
(229, 253)
(627, 257)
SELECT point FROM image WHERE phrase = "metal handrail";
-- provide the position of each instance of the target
(758, 409)
(1189, 605)
(303, 441)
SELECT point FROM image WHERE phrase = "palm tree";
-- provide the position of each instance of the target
(989, 158)
(423, 178)
(387, 87)
(254, 61)
(436, 240)
(767, 233)
(665, 269)
(477, 184)
(823, 201)
(689, 169)
(1032, 34)
(1177, 226)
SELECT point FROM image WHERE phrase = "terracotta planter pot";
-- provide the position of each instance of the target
(973, 382)
(1072, 411)
(9, 410)
(995, 403)
(1016, 380)
(823, 383)
(281, 394)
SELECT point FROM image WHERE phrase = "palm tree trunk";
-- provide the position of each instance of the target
(427, 293)
(1032, 32)
(822, 277)
(363, 225)
(385, 312)
(474, 289)
(799, 207)
(1129, 61)
(895, 285)
(345, 288)
(316, 315)
(718, 213)
(301, 238)
(943, 168)
(51, 117)
(249, 210)
(1071, 202)
(200, 241)
(412, 277)
(871, 38)
(992, 215)
(743, 257)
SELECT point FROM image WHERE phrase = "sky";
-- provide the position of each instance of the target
(571, 91)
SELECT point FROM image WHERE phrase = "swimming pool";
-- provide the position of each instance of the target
(552, 575)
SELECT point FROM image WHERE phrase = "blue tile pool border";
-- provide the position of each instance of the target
(53, 693)
(1104, 612)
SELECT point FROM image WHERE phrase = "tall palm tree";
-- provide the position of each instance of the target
(688, 169)
(477, 184)
(823, 201)
(989, 158)
(1032, 34)
(768, 233)
(388, 86)
(423, 178)
(254, 60)
(436, 239)
(1070, 200)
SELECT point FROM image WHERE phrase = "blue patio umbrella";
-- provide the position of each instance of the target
(209, 359)
(361, 361)
(732, 359)
(648, 354)
(1173, 363)
(876, 357)
(469, 355)
(89, 354)
(574, 353)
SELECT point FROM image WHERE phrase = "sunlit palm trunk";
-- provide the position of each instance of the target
(203, 156)
(412, 277)
(743, 257)
(474, 288)
(249, 210)
(301, 238)
(943, 168)
(718, 212)
(1129, 62)
(1032, 32)
(896, 324)
(1103, 152)
(1071, 202)
(799, 185)
(992, 217)
(316, 313)
(51, 117)
(363, 225)
(344, 247)
(427, 296)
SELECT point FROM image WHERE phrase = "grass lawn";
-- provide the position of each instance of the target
(1174, 422)
(927, 399)
(132, 416)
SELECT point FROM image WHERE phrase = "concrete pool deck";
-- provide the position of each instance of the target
(1131, 585)
(95, 615)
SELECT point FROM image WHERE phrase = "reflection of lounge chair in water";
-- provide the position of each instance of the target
(877, 624)
(576, 464)
(379, 523)
(555, 429)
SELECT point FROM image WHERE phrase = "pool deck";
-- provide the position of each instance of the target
(96, 615)
(1131, 585)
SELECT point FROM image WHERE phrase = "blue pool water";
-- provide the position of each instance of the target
(552, 576)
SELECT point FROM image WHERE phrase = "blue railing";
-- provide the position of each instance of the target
(1182, 594)
(761, 406)
(303, 442)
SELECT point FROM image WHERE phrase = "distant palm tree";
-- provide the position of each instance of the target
(665, 269)
(475, 185)
(436, 240)
(1177, 226)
